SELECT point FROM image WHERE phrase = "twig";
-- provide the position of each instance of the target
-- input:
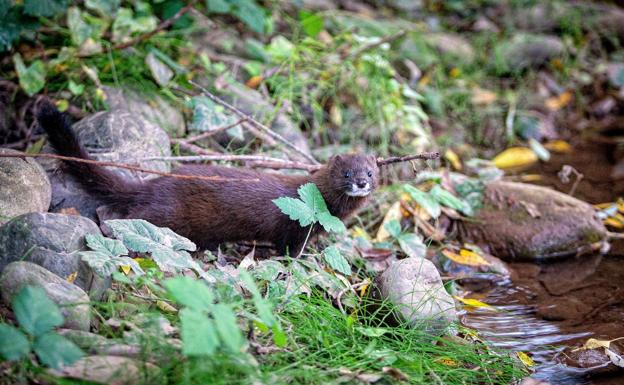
(124, 166)
(210, 133)
(283, 164)
(397, 159)
(255, 123)
(163, 25)
(376, 44)
(226, 157)
(191, 147)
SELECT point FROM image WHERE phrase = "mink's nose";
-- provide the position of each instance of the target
(362, 183)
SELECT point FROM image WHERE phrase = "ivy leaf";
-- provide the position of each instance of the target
(55, 351)
(227, 328)
(190, 293)
(450, 200)
(198, 332)
(35, 312)
(336, 261)
(412, 245)
(424, 200)
(31, 78)
(14, 344)
(44, 8)
(296, 210)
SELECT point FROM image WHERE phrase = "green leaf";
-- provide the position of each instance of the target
(125, 24)
(105, 265)
(80, 30)
(55, 351)
(227, 328)
(75, 88)
(336, 261)
(32, 78)
(113, 247)
(262, 306)
(14, 344)
(208, 116)
(106, 8)
(251, 14)
(4, 7)
(35, 312)
(331, 223)
(190, 292)
(45, 8)
(412, 245)
(296, 210)
(198, 332)
(424, 200)
(311, 23)
(393, 227)
(279, 337)
(218, 6)
(450, 200)
(311, 196)
(372, 332)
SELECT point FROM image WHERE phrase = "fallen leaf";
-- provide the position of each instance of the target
(614, 222)
(358, 231)
(593, 343)
(446, 361)
(475, 303)
(394, 213)
(72, 277)
(514, 157)
(395, 373)
(254, 81)
(558, 146)
(164, 306)
(455, 72)
(483, 97)
(453, 159)
(126, 269)
(466, 257)
(531, 178)
(558, 102)
(526, 360)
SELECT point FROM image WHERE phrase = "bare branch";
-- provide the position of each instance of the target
(258, 161)
(397, 159)
(210, 133)
(376, 44)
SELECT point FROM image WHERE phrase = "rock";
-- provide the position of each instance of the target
(96, 344)
(451, 44)
(541, 17)
(411, 7)
(24, 187)
(592, 362)
(51, 240)
(414, 286)
(111, 370)
(117, 135)
(611, 24)
(72, 300)
(520, 221)
(526, 51)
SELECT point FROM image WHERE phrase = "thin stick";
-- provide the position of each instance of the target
(376, 44)
(283, 164)
(397, 159)
(210, 133)
(163, 25)
(225, 157)
(124, 166)
(191, 147)
(255, 123)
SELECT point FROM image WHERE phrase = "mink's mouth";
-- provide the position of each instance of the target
(357, 191)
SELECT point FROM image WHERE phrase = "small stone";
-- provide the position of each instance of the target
(415, 287)
(451, 44)
(51, 241)
(72, 300)
(24, 187)
(111, 370)
(527, 51)
(96, 344)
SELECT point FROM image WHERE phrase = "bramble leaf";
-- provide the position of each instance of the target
(198, 332)
(336, 261)
(55, 350)
(425, 200)
(190, 293)
(35, 312)
(296, 210)
(14, 344)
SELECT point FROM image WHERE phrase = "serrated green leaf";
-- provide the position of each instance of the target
(311, 23)
(35, 312)
(14, 345)
(198, 332)
(227, 328)
(268, 270)
(393, 227)
(331, 223)
(296, 210)
(190, 292)
(262, 306)
(31, 78)
(112, 247)
(251, 14)
(55, 351)
(312, 197)
(45, 8)
(450, 200)
(412, 245)
(425, 200)
(336, 261)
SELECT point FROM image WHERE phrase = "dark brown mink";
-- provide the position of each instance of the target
(213, 212)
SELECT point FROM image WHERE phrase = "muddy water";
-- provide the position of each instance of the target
(544, 308)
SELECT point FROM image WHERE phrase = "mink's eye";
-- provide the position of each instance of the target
(370, 174)
(347, 174)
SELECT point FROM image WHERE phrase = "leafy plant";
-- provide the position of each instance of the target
(37, 315)
(247, 11)
(410, 243)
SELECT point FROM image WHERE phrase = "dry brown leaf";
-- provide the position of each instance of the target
(558, 102)
(483, 97)
(254, 81)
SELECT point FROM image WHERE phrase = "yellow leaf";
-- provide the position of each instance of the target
(515, 157)
(164, 306)
(483, 97)
(620, 205)
(526, 360)
(559, 146)
(475, 303)
(424, 80)
(466, 257)
(72, 277)
(605, 205)
(393, 213)
(446, 361)
(126, 269)
(62, 105)
(558, 102)
(531, 177)
(358, 232)
(614, 222)
(364, 288)
(593, 343)
(254, 81)
(455, 72)
(453, 159)
(100, 94)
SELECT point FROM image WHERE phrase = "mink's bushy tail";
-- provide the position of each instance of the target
(97, 180)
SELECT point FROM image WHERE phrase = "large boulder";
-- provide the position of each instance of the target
(117, 135)
(521, 221)
(72, 300)
(24, 187)
(414, 287)
(51, 241)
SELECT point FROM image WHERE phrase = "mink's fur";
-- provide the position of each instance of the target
(213, 212)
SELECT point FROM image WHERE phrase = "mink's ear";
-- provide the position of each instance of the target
(372, 159)
(336, 159)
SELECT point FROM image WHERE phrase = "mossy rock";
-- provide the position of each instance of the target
(521, 221)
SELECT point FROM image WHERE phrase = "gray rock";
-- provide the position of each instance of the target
(542, 17)
(611, 24)
(111, 370)
(24, 187)
(414, 286)
(118, 136)
(51, 240)
(72, 300)
(451, 44)
(96, 344)
(527, 51)
(521, 221)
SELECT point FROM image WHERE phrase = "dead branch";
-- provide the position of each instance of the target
(266, 130)
(191, 147)
(376, 44)
(210, 133)
(397, 159)
(125, 166)
(235, 158)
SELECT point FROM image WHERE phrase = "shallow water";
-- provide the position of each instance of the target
(544, 308)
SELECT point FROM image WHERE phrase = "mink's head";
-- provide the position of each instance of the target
(355, 175)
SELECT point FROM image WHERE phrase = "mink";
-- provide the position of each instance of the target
(211, 212)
